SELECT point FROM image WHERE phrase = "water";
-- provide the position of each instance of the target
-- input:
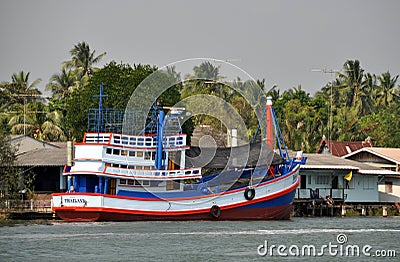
(194, 241)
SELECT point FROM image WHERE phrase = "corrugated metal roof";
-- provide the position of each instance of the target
(391, 154)
(43, 157)
(327, 161)
(341, 148)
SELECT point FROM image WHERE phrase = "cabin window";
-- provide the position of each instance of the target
(132, 153)
(116, 152)
(309, 179)
(137, 183)
(124, 140)
(147, 155)
(139, 154)
(122, 181)
(109, 151)
(145, 182)
(123, 152)
(146, 168)
(123, 166)
(117, 139)
(153, 156)
(131, 182)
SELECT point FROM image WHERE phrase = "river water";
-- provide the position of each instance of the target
(204, 241)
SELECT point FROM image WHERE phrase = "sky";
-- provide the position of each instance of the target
(281, 41)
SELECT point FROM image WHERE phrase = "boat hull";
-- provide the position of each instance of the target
(272, 213)
(272, 201)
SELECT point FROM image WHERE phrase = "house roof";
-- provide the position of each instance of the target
(327, 161)
(43, 157)
(391, 154)
(27, 143)
(341, 148)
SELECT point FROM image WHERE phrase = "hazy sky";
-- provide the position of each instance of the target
(281, 41)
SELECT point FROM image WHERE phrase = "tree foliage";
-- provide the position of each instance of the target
(13, 180)
(355, 105)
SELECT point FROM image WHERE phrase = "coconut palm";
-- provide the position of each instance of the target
(83, 59)
(61, 85)
(351, 81)
(387, 92)
(21, 89)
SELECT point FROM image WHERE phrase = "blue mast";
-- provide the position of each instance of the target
(160, 126)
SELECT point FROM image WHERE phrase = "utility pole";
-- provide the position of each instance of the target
(330, 119)
(24, 97)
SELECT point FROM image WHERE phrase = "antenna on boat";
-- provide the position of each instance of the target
(99, 117)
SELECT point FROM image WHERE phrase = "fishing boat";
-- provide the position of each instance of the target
(117, 176)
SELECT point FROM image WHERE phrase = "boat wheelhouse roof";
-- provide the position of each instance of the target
(197, 156)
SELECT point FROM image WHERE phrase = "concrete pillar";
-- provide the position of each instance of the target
(343, 213)
(69, 153)
(384, 211)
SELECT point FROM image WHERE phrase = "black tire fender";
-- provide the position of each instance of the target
(249, 193)
(215, 211)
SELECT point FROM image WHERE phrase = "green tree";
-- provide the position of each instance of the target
(83, 59)
(382, 126)
(387, 92)
(63, 84)
(119, 80)
(351, 81)
(12, 179)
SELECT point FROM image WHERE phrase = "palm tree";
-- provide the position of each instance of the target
(368, 94)
(61, 85)
(387, 92)
(351, 82)
(22, 89)
(83, 59)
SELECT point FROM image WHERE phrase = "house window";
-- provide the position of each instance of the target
(322, 180)
(388, 187)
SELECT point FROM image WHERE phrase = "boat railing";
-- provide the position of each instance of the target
(155, 174)
(170, 141)
(102, 138)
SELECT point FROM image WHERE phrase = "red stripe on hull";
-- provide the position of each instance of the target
(270, 213)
